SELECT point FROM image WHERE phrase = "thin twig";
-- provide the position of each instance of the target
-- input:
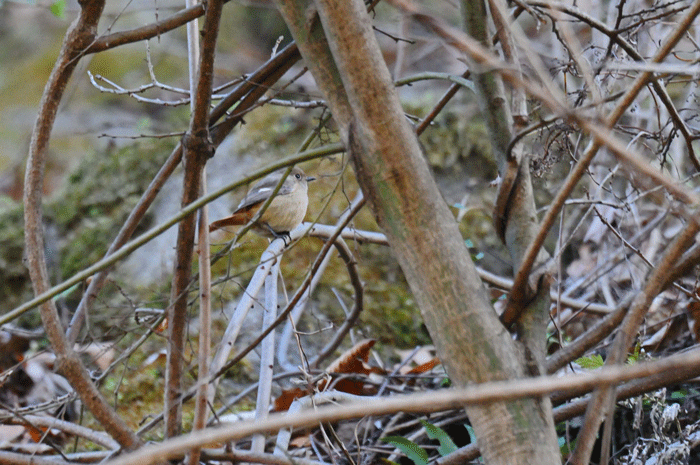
(247, 92)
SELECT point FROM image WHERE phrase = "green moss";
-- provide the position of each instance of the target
(15, 286)
(138, 392)
(25, 84)
(98, 197)
(457, 143)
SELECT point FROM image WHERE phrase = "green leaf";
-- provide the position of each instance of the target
(680, 394)
(634, 356)
(67, 292)
(447, 445)
(412, 450)
(565, 448)
(58, 8)
(590, 363)
(472, 439)
(472, 435)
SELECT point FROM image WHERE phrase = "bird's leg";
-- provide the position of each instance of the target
(284, 235)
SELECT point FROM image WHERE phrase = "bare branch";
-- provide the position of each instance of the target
(146, 32)
(81, 33)
(480, 394)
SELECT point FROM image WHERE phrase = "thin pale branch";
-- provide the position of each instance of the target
(14, 458)
(69, 428)
(267, 353)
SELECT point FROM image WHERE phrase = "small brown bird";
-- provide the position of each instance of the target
(285, 212)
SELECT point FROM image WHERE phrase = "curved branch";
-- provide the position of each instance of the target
(351, 264)
(78, 37)
(149, 31)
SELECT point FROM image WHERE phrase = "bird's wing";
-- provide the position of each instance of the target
(262, 190)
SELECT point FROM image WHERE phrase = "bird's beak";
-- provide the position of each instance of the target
(310, 178)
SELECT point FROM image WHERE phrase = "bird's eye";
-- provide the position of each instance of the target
(298, 176)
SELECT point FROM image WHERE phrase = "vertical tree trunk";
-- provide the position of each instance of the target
(423, 234)
(197, 149)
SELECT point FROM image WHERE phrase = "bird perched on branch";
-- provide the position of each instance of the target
(285, 212)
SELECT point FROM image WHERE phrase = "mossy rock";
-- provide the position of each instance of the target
(15, 286)
(97, 199)
(81, 220)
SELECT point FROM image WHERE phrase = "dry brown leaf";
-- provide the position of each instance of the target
(424, 367)
(284, 401)
(352, 362)
(36, 433)
(303, 440)
(354, 359)
(693, 318)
